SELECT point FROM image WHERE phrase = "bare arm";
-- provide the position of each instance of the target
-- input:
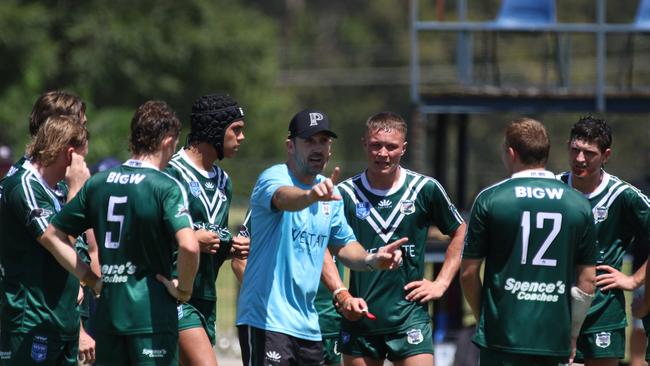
(290, 198)
(93, 252)
(188, 258)
(330, 274)
(452, 257)
(470, 281)
(355, 257)
(58, 244)
(238, 266)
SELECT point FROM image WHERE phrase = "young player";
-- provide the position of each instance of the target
(384, 202)
(217, 124)
(140, 218)
(39, 320)
(620, 210)
(536, 236)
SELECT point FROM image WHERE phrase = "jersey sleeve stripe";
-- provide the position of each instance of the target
(27, 180)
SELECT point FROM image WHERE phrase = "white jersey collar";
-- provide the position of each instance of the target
(534, 173)
(601, 187)
(384, 192)
(134, 163)
(206, 174)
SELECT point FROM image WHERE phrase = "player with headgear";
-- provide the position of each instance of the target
(216, 132)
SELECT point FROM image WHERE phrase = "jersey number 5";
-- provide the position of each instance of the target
(112, 217)
(539, 259)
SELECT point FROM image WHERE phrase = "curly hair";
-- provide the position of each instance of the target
(151, 122)
(591, 129)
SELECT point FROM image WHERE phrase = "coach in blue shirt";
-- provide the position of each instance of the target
(296, 213)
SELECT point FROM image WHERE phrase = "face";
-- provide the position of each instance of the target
(585, 158)
(311, 154)
(384, 149)
(233, 138)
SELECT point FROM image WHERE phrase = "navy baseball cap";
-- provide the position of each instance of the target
(309, 122)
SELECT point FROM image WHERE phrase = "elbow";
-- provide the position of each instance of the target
(190, 247)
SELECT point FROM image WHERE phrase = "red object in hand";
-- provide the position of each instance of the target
(370, 315)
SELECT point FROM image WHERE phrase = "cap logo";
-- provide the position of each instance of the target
(241, 111)
(314, 118)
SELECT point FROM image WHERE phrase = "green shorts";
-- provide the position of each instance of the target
(199, 313)
(490, 357)
(607, 344)
(415, 340)
(331, 350)
(159, 349)
(26, 349)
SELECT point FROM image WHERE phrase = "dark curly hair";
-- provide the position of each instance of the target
(151, 122)
(591, 129)
(211, 115)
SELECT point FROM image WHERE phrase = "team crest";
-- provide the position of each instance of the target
(326, 208)
(414, 336)
(181, 211)
(209, 186)
(39, 349)
(38, 213)
(222, 195)
(603, 339)
(195, 188)
(600, 213)
(362, 210)
(179, 311)
(407, 207)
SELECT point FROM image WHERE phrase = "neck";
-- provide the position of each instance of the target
(202, 155)
(156, 159)
(51, 174)
(516, 168)
(587, 184)
(383, 181)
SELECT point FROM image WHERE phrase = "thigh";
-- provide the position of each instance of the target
(601, 345)
(308, 353)
(490, 357)
(207, 309)
(331, 353)
(371, 346)
(262, 347)
(417, 340)
(195, 348)
(25, 349)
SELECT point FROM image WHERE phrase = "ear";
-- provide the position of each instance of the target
(404, 148)
(68, 155)
(606, 155)
(167, 141)
(291, 148)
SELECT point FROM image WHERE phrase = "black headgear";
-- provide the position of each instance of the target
(211, 115)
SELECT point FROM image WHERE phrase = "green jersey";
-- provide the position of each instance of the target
(135, 210)
(209, 200)
(532, 231)
(38, 295)
(380, 217)
(619, 210)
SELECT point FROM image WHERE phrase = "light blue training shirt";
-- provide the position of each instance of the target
(286, 258)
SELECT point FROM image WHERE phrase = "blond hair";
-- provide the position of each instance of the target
(386, 121)
(55, 135)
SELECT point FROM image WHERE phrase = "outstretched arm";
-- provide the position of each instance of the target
(425, 290)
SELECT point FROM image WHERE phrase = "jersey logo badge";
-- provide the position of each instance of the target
(414, 336)
(326, 208)
(407, 207)
(336, 347)
(345, 337)
(195, 188)
(600, 213)
(384, 204)
(209, 186)
(362, 210)
(222, 195)
(603, 339)
(38, 213)
(179, 311)
(273, 356)
(182, 211)
(39, 349)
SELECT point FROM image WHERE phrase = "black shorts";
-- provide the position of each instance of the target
(261, 347)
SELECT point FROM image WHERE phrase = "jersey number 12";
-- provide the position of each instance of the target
(541, 217)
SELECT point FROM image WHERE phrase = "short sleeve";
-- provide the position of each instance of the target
(442, 212)
(268, 182)
(73, 219)
(341, 233)
(476, 240)
(176, 213)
